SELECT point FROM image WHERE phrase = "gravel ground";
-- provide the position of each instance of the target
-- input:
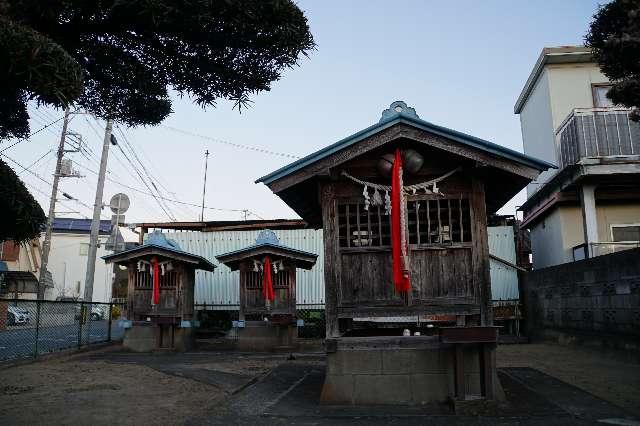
(99, 388)
(607, 378)
(72, 391)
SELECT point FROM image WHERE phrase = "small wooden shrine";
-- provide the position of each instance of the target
(267, 291)
(160, 295)
(403, 205)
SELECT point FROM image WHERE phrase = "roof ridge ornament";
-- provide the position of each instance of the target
(159, 239)
(267, 236)
(398, 108)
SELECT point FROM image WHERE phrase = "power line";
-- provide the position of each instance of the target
(64, 194)
(145, 183)
(32, 134)
(35, 162)
(236, 145)
(131, 149)
(143, 192)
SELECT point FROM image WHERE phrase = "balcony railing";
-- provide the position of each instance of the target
(597, 132)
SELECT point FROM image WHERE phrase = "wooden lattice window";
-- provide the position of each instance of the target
(145, 280)
(430, 221)
(254, 280)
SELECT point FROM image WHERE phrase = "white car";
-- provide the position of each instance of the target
(17, 315)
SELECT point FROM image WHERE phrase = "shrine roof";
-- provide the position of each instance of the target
(267, 243)
(157, 244)
(399, 113)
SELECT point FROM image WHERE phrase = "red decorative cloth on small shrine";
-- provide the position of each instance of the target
(267, 281)
(156, 282)
(399, 242)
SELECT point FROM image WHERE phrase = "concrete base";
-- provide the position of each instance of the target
(396, 371)
(260, 336)
(149, 337)
(140, 338)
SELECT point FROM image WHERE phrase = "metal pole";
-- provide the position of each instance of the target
(97, 208)
(204, 186)
(110, 320)
(46, 245)
(35, 346)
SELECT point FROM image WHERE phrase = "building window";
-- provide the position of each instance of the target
(430, 221)
(600, 99)
(84, 249)
(625, 233)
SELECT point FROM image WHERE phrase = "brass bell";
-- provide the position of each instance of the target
(412, 161)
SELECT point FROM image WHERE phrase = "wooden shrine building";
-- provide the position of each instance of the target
(160, 294)
(448, 183)
(267, 291)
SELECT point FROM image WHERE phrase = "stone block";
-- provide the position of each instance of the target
(399, 361)
(433, 387)
(432, 361)
(140, 338)
(337, 389)
(354, 362)
(389, 389)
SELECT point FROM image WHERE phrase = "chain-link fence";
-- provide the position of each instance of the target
(314, 321)
(29, 328)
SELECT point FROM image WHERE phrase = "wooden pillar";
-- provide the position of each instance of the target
(331, 259)
(143, 231)
(480, 246)
(589, 218)
(131, 288)
(244, 270)
(487, 369)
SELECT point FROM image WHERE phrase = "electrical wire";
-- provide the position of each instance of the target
(19, 141)
(143, 192)
(236, 145)
(64, 194)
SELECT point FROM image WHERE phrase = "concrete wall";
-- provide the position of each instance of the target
(560, 89)
(396, 376)
(600, 296)
(615, 215)
(547, 244)
(68, 265)
(570, 87)
(536, 122)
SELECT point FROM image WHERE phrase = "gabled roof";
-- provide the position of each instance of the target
(158, 244)
(397, 113)
(267, 243)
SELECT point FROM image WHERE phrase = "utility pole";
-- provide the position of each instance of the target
(97, 208)
(46, 245)
(204, 186)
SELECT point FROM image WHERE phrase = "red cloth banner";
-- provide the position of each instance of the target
(398, 237)
(267, 281)
(156, 282)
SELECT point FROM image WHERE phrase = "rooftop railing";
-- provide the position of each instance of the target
(597, 132)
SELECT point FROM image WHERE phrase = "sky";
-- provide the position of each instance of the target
(460, 64)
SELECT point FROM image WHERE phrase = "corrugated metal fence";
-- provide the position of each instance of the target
(504, 279)
(220, 288)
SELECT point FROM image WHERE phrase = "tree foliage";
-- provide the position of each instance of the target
(614, 37)
(118, 58)
(22, 216)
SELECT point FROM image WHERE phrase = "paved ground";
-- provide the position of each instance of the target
(19, 341)
(544, 384)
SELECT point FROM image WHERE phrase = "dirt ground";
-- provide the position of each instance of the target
(83, 389)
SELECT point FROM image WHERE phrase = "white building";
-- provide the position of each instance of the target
(590, 205)
(68, 259)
